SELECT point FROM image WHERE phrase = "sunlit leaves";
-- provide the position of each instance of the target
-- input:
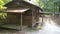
(2, 3)
(3, 15)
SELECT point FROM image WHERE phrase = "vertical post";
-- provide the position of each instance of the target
(32, 18)
(42, 18)
(21, 23)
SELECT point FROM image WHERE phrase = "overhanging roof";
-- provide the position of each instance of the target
(17, 10)
(25, 3)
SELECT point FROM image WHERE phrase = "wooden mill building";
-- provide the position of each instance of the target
(30, 13)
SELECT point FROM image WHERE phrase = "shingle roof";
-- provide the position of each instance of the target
(26, 3)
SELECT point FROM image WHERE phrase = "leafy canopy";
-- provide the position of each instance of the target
(47, 5)
(3, 2)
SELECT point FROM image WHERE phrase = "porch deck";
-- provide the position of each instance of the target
(48, 28)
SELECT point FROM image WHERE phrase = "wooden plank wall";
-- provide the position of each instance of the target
(14, 18)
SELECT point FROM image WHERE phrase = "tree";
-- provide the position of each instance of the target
(2, 3)
(2, 7)
(47, 5)
(51, 5)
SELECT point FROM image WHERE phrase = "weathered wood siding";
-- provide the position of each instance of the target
(14, 18)
(29, 17)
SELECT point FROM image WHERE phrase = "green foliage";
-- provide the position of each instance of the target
(3, 15)
(38, 3)
(2, 3)
(2, 7)
(48, 5)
